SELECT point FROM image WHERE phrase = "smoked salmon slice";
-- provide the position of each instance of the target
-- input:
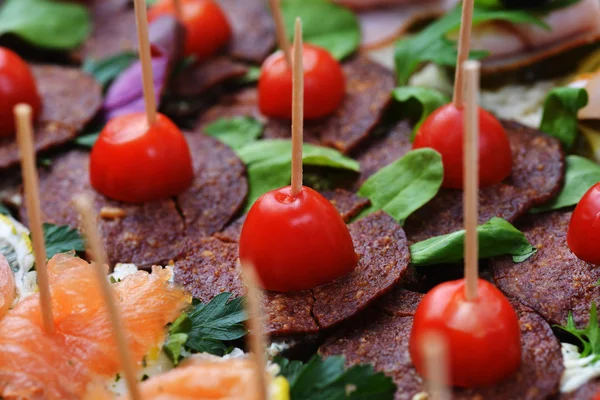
(35, 365)
(7, 286)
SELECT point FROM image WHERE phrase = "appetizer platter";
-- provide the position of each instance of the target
(299, 199)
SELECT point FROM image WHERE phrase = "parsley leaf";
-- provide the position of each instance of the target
(559, 118)
(589, 337)
(235, 132)
(327, 379)
(60, 239)
(207, 327)
(106, 70)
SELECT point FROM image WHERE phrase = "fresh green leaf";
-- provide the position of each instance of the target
(44, 23)
(324, 24)
(108, 69)
(4, 210)
(251, 76)
(87, 140)
(61, 239)
(539, 7)
(496, 237)
(405, 185)
(417, 103)
(432, 44)
(44, 162)
(588, 337)
(327, 379)
(559, 118)
(268, 164)
(581, 174)
(174, 345)
(235, 132)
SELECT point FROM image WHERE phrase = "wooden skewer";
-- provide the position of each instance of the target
(297, 110)
(178, 10)
(84, 206)
(255, 326)
(282, 39)
(141, 19)
(464, 46)
(435, 350)
(471, 174)
(23, 114)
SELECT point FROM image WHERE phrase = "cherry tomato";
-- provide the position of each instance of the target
(17, 85)
(133, 163)
(207, 27)
(296, 243)
(483, 336)
(443, 132)
(324, 84)
(583, 235)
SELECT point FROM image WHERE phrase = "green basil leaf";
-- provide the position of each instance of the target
(417, 103)
(431, 44)
(581, 174)
(324, 24)
(268, 164)
(106, 70)
(87, 141)
(61, 239)
(559, 118)
(235, 132)
(405, 185)
(496, 237)
(45, 23)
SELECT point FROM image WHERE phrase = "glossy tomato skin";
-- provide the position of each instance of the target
(133, 163)
(483, 336)
(296, 243)
(207, 27)
(443, 132)
(324, 84)
(583, 235)
(17, 85)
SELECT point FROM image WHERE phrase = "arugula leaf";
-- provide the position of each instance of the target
(559, 118)
(87, 140)
(327, 379)
(431, 44)
(405, 185)
(60, 239)
(45, 23)
(581, 174)
(269, 163)
(4, 210)
(207, 327)
(106, 70)
(496, 237)
(235, 132)
(417, 103)
(324, 24)
(589, 337)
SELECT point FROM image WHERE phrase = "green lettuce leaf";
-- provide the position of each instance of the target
(559, 118)
(235, 132)
(108, 69)
(417, 103)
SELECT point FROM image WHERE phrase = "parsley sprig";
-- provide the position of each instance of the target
(61, 239)
(588, 337)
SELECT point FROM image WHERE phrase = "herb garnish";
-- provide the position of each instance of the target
(87, 140)
(61, 239)
(4, 210)
(236, 132)
(417, 103)
(106, 70)
(589, 337)
(327, 379)
(560, 113)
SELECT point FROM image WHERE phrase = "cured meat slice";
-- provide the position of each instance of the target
(198, 80)
(381, 339)
(211, 266)
(553, 281)
(70, 99)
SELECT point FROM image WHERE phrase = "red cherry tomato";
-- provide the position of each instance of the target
(207, 27)
(324, 84)
(583, 235)
(133, 163)
(296, 243)
(443, 132)
(483, 336)
(17, 85)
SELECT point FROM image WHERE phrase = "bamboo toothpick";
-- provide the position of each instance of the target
(23, 115)
(297, 110)
(141, 19)
(435, 351)
(471, 176)
(464, 46)
(84, 206)
(282, 39)
(255, 327)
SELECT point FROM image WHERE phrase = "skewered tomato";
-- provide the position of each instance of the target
(324, 84)
(135, 163)
(207, 28)
(443, 132)
(583, 235)
(17, 85)
(483, 335)
(296, 243)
